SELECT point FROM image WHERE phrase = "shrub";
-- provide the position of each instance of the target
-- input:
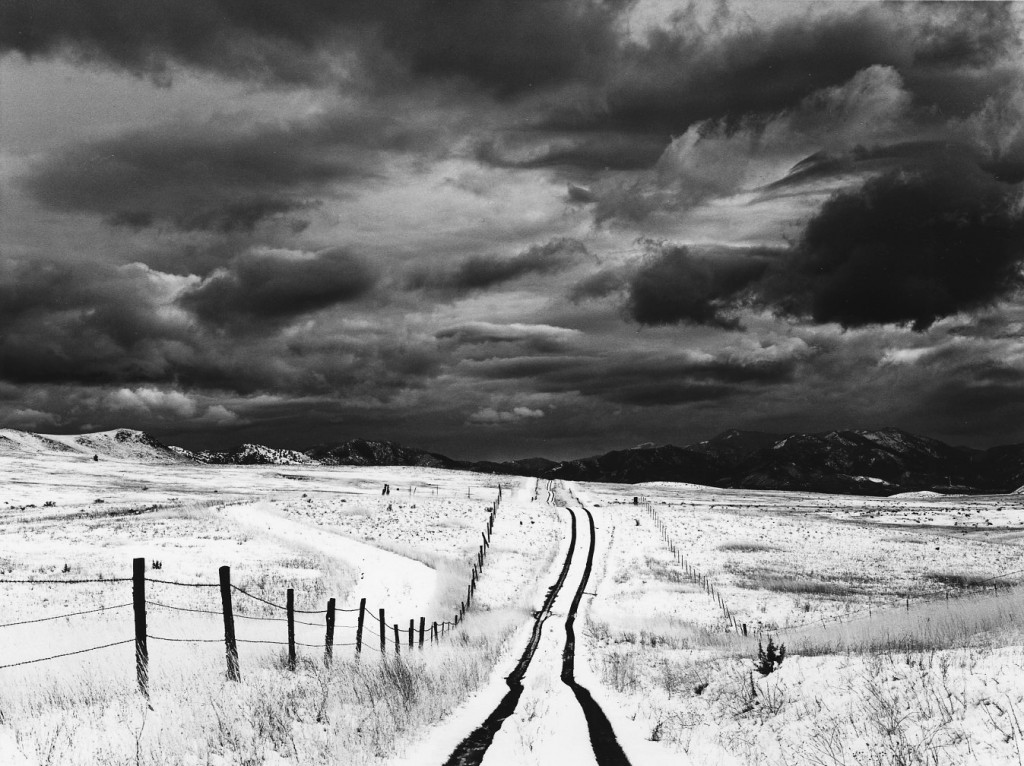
(769, 660)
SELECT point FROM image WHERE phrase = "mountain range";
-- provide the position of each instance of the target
(864, 462)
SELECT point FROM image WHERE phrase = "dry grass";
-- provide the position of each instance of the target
(991, 620)
(965, 580)
(802, 585)
(354, 711)
(745, 546)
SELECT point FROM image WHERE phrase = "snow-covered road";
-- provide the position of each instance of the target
(402, 586)
(553, 718)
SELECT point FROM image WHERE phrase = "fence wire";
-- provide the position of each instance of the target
(62, 616)
(66, 582)
(66, 654)
(285, 608)
(237, 616)
(919, 599)
(183, 584)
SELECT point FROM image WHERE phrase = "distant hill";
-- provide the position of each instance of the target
(119, 444)
(887, 461)
(252, 454)
(732, 447)
(861, 462)
(631, 466)
(364, 452)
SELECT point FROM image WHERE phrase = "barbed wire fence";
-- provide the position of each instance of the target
(695, 575)
(910, 601)
(359, 619)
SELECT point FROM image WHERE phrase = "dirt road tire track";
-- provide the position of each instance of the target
(607, 750)
(470, 752)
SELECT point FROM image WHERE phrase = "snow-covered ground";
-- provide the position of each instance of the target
(324, 531)
(882, 669)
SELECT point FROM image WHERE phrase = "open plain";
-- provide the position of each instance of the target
(900, 617)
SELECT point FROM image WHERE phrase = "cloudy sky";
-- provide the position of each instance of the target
(500, 228)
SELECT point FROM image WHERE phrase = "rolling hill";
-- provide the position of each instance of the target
(863, 462)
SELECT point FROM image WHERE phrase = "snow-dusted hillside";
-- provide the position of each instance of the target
(119, 444)
(253, 454)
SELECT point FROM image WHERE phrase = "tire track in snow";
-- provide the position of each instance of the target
(602, 736)
(470, 752)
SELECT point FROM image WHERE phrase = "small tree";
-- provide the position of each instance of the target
(769, 660)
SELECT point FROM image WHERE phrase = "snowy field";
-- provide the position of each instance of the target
(325, 532)
(900, 616)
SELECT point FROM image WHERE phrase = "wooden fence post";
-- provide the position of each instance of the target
(412, 632)
(329, 639)
(139, 604)
(290, 607)
(230, 646)
(383, 633)
(423, 621)
(359, 626)
(433, 633)
(398, 644)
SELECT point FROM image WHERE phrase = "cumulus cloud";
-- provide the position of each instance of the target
(25, 418)
(88, 322)
(903, 248)
(150, 401)
(715, 159)
(218, 415)
(267, 285)
(677, 285)
(222, 175)
(907, 248)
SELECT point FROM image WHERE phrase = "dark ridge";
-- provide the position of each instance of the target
(366, 452)
(879, 462)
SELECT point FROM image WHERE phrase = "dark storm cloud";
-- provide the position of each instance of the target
(75, 322)
(217, 176)
(93, 324)
(904, 248)
(659, 85)
(483, 271)
(948, 55)
(676, 285)
(276, 286)
(908, 248)
(646, 381)
(505, 45)
(653, 383)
